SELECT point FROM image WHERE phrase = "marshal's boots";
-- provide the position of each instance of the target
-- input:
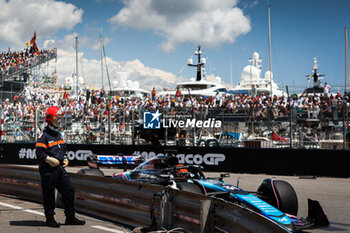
(72, 220)
(51, 222)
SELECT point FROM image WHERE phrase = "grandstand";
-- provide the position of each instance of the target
(19, 70)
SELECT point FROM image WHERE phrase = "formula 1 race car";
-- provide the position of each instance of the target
(275, 199)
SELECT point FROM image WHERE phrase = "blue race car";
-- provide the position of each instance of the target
(275, 199)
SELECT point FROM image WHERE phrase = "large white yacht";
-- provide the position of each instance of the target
(198, 86)
(253, 84)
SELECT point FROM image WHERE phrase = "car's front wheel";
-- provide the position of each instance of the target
(280, 194)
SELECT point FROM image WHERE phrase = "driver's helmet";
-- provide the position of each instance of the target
(181, 170)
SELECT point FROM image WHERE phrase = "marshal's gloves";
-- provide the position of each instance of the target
(65, 161)
(52, 161)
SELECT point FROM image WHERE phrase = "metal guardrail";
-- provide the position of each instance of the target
(129, 203)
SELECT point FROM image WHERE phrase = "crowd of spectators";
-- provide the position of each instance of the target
(94, 106)
(11, 62)
(306, 106)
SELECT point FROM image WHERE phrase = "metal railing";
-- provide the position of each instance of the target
(130, 202)
(309, 129)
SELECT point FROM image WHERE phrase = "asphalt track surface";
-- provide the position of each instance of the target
(333, 194)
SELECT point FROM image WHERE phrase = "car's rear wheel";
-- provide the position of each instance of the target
(280, 194)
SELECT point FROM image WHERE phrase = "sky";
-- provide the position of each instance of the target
(150, 41)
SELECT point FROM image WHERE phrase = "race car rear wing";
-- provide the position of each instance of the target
(117, 161)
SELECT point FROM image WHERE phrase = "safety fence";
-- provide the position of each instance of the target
(130, 203)
(205, 127)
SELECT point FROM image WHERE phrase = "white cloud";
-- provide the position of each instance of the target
(136, 66)
(20, 18)
(207, 22)
(90, 69)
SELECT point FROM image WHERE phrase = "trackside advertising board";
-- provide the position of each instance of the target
(216, 159)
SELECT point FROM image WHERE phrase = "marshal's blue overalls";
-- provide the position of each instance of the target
(51, 143)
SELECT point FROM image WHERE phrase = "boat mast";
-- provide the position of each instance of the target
(107, 72)
(231, 76)
(345, 88)
(346, 59)
(270, 63)
(199, 65)
(101, 48)
(76, 67)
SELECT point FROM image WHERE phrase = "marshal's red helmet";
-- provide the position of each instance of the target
(51, 112)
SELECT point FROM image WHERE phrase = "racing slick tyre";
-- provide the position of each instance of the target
(280, 194)
(190, 187)
(91, 172)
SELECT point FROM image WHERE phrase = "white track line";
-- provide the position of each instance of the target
(107, 229)
(20, 208)
(42, 214)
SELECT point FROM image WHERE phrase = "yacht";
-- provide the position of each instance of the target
(198, 86)
(251, 81)
(317, 88)
(252, 84)
(127, 88)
